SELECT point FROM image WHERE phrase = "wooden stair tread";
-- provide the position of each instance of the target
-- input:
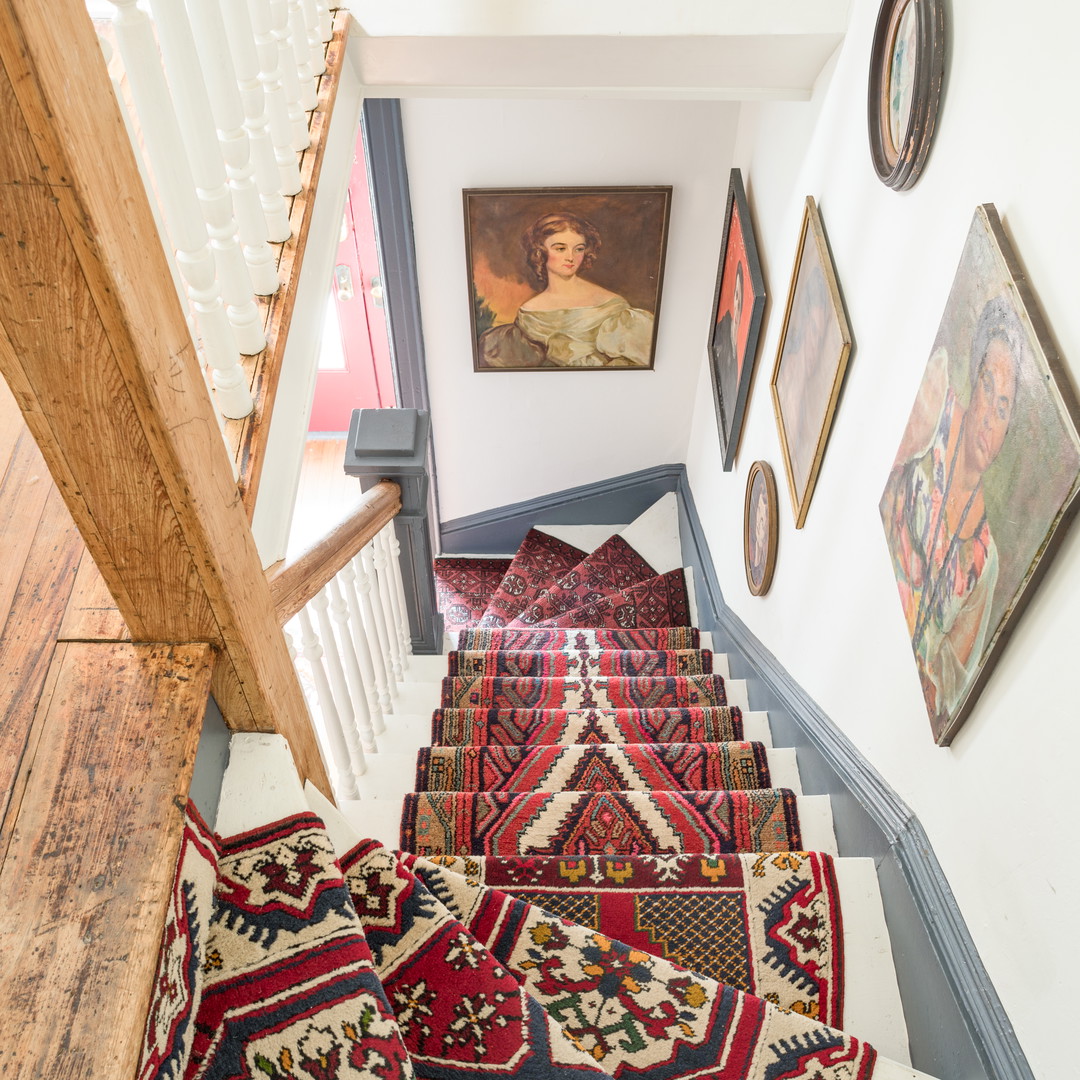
(88, 847)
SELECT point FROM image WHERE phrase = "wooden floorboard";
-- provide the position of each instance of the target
(91, 612)
(29, 634)
(85, 882)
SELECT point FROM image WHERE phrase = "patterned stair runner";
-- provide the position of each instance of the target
(613, 566)
(539, 561)
(615, 692)
(547, 664)
(563, 727)
(700, 943)
(655, 637)
(606, 823)
(650, 767)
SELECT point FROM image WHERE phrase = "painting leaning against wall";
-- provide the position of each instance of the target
(986, 475)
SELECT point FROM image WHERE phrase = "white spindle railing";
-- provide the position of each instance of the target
(355, 650)
(220, 92)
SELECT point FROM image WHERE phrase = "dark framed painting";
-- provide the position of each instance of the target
(738, 304)
(565, 279)
(760, 528)
(985, 478)
(815, 343)
(907, 69)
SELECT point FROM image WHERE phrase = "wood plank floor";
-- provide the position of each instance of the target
(97, 745)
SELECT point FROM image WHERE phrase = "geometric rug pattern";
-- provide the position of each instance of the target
(600, 823)
(655, 637)
(547, 664)
(612, 692)
(604, 767)
(537, 727)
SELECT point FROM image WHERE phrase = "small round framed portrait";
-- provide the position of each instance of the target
(907, 68)
(760, 528)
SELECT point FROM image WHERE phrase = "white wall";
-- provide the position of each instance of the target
(501, 437)
(998, 804)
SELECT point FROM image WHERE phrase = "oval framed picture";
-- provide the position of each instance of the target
(760, 528)
(907, 67)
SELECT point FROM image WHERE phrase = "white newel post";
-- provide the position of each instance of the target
(277, 106)
(320, 604)
(290, 78)
(315, 43)
(212, 43)
(309, 94)
(313, 653)
(385, 588)
(401, 610)
(183, 217)
(245, 57)
(200, 137)
(369, 598)
(339, 611)
(349, 585)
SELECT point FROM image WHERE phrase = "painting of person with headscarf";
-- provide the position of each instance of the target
(986, 468)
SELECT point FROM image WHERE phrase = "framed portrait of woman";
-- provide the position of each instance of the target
(815, 343)
(985, 477)
(735, 327)
(565, 279)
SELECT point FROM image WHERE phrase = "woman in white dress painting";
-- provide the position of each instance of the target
(571, 322)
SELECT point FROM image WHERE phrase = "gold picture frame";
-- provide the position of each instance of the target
(811, 359)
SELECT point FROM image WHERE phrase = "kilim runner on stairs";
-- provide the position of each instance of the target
(582, 639)
(614, 692)
(536, 727)
(545, 664)
(630, 767)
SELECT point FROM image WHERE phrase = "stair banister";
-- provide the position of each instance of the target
(215, 56)
(192, 103)
(293, 584)
(245, 57)
(348, 584)
(176, 189)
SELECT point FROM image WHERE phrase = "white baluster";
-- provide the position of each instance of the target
(369, 600)
(200, 137)
(245, 57)
(348, 578)
(290, 78)
(228, 109)
(309, 95)
(315, 43)
(277, 106)
(326, 20)
(320, 604)
(175, 185)
(388, 538)
(382, 573)
(313, 653)
(339, 611)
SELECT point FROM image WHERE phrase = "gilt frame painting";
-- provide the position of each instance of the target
(735, 327)
(811, 359)
(985, 479)
(565, 279)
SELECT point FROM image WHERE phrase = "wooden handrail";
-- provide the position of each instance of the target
(293, 584)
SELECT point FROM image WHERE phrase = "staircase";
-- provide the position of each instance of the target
(591, 766)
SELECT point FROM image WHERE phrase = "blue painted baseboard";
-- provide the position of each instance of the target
(957, 1026)
(607, 502)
